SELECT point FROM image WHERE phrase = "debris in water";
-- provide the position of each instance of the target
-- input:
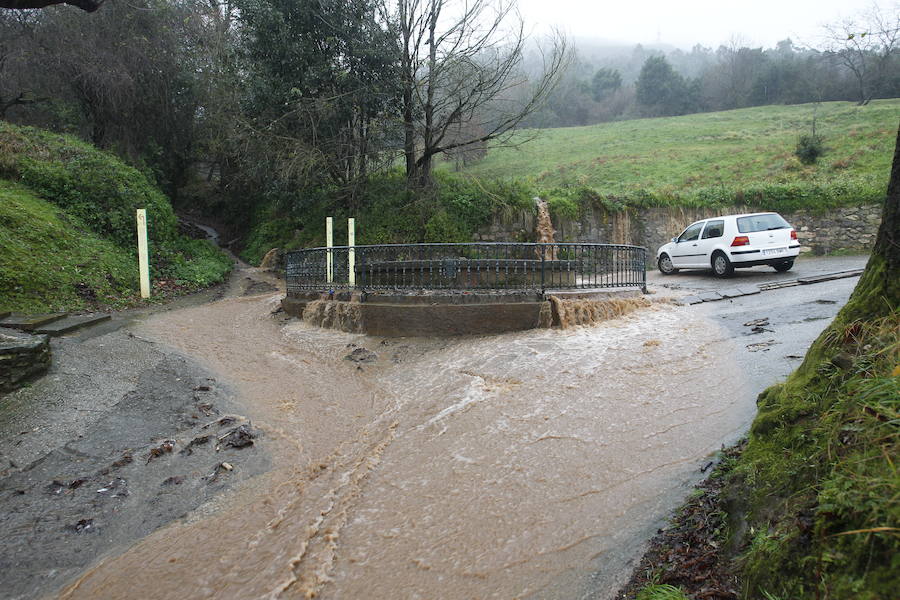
(197, 441)
(56, 487)
(81, 526)
(165, 448)
(117, 485)
(757, 322)
(223, 422)
(174, 480)
(202, 388)
(362, 355)
(239, 437)
(764, 346)
(125, 460)
(220, 468)
(758, 329)
(652, 343)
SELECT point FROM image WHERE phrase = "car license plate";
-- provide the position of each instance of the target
(771, 251)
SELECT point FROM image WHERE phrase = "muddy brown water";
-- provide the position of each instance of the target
(526, 465)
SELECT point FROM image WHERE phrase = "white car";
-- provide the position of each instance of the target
(731, 242)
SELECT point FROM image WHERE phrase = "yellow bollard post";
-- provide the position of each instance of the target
(329, 255)
(351, 252)
(143, 263)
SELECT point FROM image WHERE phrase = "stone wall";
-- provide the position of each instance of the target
(22, 356)
(851, 228)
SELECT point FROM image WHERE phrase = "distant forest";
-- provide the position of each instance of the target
(609, 83)
(278, 102)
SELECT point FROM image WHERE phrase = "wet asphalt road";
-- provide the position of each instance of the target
(796, 315)
(692, 281)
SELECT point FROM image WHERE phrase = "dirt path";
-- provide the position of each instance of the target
(523, 465)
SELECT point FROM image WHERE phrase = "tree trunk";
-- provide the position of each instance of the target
(425, 165)
(878, 291)
(428, 133)
(887, 243)
(409, 83)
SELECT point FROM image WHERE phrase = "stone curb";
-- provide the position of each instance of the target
(739, 291)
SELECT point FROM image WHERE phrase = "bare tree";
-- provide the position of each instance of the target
(85, 5)
(459, 64)
(16, 87)
(866, 45)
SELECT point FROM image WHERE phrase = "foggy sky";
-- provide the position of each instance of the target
(683, 23)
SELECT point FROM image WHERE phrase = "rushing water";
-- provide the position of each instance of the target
(531, 464)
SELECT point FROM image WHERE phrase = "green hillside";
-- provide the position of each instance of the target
(49, 261)
(67, 233)
(717, 157)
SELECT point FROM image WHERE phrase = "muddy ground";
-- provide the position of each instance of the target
(120, 438)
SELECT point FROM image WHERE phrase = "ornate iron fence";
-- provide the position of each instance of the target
(474, 266)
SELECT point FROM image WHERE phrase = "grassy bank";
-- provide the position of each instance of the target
(67, 233)
(388, 212)
(713, 159)
(822, 501)
(49, 261)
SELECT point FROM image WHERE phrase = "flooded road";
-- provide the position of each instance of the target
(525, 465)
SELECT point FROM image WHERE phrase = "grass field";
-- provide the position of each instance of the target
(685, 156)
(49, 261)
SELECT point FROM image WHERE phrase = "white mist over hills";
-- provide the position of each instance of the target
(683, 24)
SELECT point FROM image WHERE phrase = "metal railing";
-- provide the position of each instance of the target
(474, 266)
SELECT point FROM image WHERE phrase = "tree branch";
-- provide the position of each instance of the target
(85, 5)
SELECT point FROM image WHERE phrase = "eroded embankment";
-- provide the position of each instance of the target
(525, 464)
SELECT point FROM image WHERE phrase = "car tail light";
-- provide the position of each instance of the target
(741, 240)
(793, 234)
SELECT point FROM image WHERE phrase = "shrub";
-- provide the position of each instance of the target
(91, 185)
(809, 149)
(441, 228)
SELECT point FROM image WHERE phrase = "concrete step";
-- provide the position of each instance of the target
(30, 322)
(69, 324)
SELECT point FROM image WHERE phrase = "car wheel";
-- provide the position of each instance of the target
(721, 266)
(665, 265)
(784, 266)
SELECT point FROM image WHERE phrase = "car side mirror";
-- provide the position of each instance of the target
(675, 239)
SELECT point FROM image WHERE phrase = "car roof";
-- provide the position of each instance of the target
(734, 216)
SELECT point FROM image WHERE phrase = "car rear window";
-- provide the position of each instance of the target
(761, 223)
